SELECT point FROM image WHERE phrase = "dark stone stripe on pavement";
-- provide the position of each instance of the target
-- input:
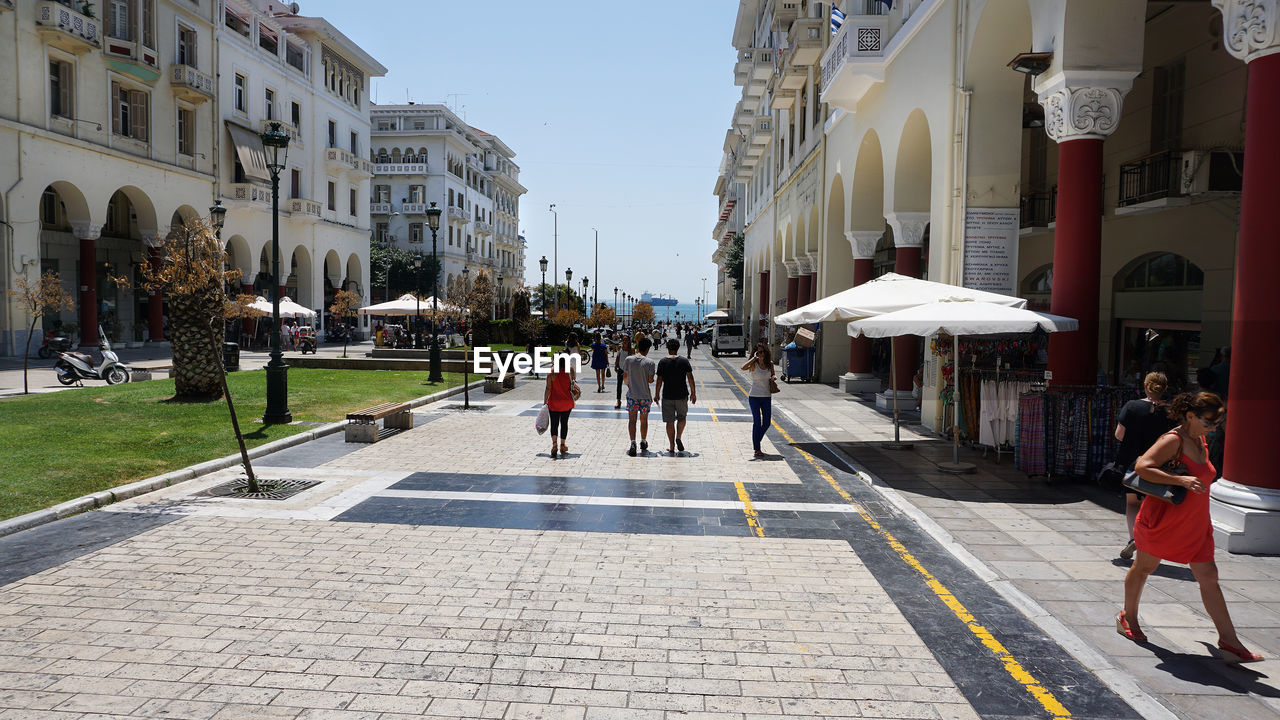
(40, 548)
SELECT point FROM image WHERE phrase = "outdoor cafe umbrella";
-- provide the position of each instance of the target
(959, 317)
(888, 293)
(406, 304)
(716, 315)
(291, 309)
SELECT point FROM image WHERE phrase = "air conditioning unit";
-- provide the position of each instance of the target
(1211, 171)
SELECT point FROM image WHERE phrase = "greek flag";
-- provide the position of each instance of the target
(837, 19)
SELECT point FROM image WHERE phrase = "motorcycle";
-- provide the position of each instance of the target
(73, 367)
(55, 341)
(307, 340)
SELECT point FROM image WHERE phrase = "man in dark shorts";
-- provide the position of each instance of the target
(676, 389)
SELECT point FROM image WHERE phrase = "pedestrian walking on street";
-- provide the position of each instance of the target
(689, 342)
(599, 360)
(1139, 425)
(623, 352)
(638, 372)
(1181, 533)
(760, 397)
(558, 398)
(676, 390)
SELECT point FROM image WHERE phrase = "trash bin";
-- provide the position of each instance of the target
(797, 363)
(230, 356)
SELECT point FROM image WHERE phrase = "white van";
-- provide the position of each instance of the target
(728, 339)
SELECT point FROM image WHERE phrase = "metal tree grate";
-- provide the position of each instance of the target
(268, 489)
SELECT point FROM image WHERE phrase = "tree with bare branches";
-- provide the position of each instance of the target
(345, 304)
(470, 301)
(40, 298)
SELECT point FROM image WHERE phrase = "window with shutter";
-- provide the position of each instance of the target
(118, 20)
(187, 46)
(186, 132)
(146, 23)
(60, 89)
(138, 115)
(119, 113)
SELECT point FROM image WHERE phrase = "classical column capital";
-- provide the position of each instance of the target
(1083, 105)
(86, 231)
(908, 228)
(1250, 28)
(863, 242)
(813, 261)
(803, 264)
(793, 269)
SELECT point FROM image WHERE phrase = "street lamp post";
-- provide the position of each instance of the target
(597, 268)
(497, 297)
(417, 300)
(586, 282)
(433, 220)
(276, 144)
(615, 299)
(543, 264)
(568, 277)
(555, 251)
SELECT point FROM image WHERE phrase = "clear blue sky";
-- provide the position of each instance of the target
(616, 112)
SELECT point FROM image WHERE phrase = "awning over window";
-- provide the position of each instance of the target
(249, 149)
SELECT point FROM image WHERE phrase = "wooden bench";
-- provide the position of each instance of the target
(362, 425)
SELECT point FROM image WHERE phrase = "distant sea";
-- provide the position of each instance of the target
(687, 311)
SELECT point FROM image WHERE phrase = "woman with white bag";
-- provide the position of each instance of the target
(558, 400)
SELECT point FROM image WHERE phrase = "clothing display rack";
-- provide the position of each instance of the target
(989, 406)
(1068, 430)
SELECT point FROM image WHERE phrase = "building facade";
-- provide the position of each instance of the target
(276, 66)
(1093, 157)
(424, 155)
(107, 139)
(132, 116)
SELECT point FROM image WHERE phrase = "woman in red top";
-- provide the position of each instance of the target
(1181, 533)
(559, 400)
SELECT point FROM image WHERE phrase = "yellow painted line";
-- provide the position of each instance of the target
(1019, 674)
(713, 414)
(753, 517)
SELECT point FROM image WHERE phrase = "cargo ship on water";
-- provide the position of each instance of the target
(658, 300)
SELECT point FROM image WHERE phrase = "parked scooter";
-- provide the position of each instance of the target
(55, 341)
(307, 340)
(73, 367)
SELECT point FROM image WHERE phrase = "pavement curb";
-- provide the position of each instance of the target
(103, 498)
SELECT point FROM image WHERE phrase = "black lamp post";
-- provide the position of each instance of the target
(276, 144)
(568, 277)
(417, 300)
(543, 264)
(615, 300)
(497, 297)
(585, 283)
(433, 220)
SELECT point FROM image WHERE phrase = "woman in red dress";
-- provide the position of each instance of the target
(1181, 533)
(559, 399)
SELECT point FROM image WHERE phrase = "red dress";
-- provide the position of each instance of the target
(1179, 533)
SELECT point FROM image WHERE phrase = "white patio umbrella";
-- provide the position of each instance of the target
(716, 315)
(959, 317)
(888, 293)
(406, 304)
(291, 309)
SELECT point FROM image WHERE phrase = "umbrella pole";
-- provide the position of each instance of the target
(897, 443)
(955, 466)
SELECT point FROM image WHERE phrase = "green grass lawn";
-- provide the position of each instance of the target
(60, 446)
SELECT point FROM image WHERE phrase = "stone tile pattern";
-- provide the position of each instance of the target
(223, 618)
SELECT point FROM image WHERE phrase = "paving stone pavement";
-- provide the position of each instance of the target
(457, 571)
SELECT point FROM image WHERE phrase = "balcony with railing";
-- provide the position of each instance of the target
(483, 228)
(361, 166)
(761, 70)
(1155, 177)
(794, 75)
(384, 166)
(413, 208)
(854, 63)
(458, 215)
(805, 40)
(337, 158)
(379, 208)
(763, 132)
(190, 84)
(742, 68)
(1035, 210)
(248, 194)
(785, 13)
(304, 209)
(67, 29)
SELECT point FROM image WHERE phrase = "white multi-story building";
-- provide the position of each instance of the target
(106, 139)
(276, 66)
(426, 154)
(130, 116)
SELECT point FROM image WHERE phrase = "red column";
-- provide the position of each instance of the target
(813, 287)
(1077, 257)
(905, 350)
(793, 291)
(1255, 329)
(88, 290)
(155, 300)
(860, 347)
(280, 291)
(804, 290)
